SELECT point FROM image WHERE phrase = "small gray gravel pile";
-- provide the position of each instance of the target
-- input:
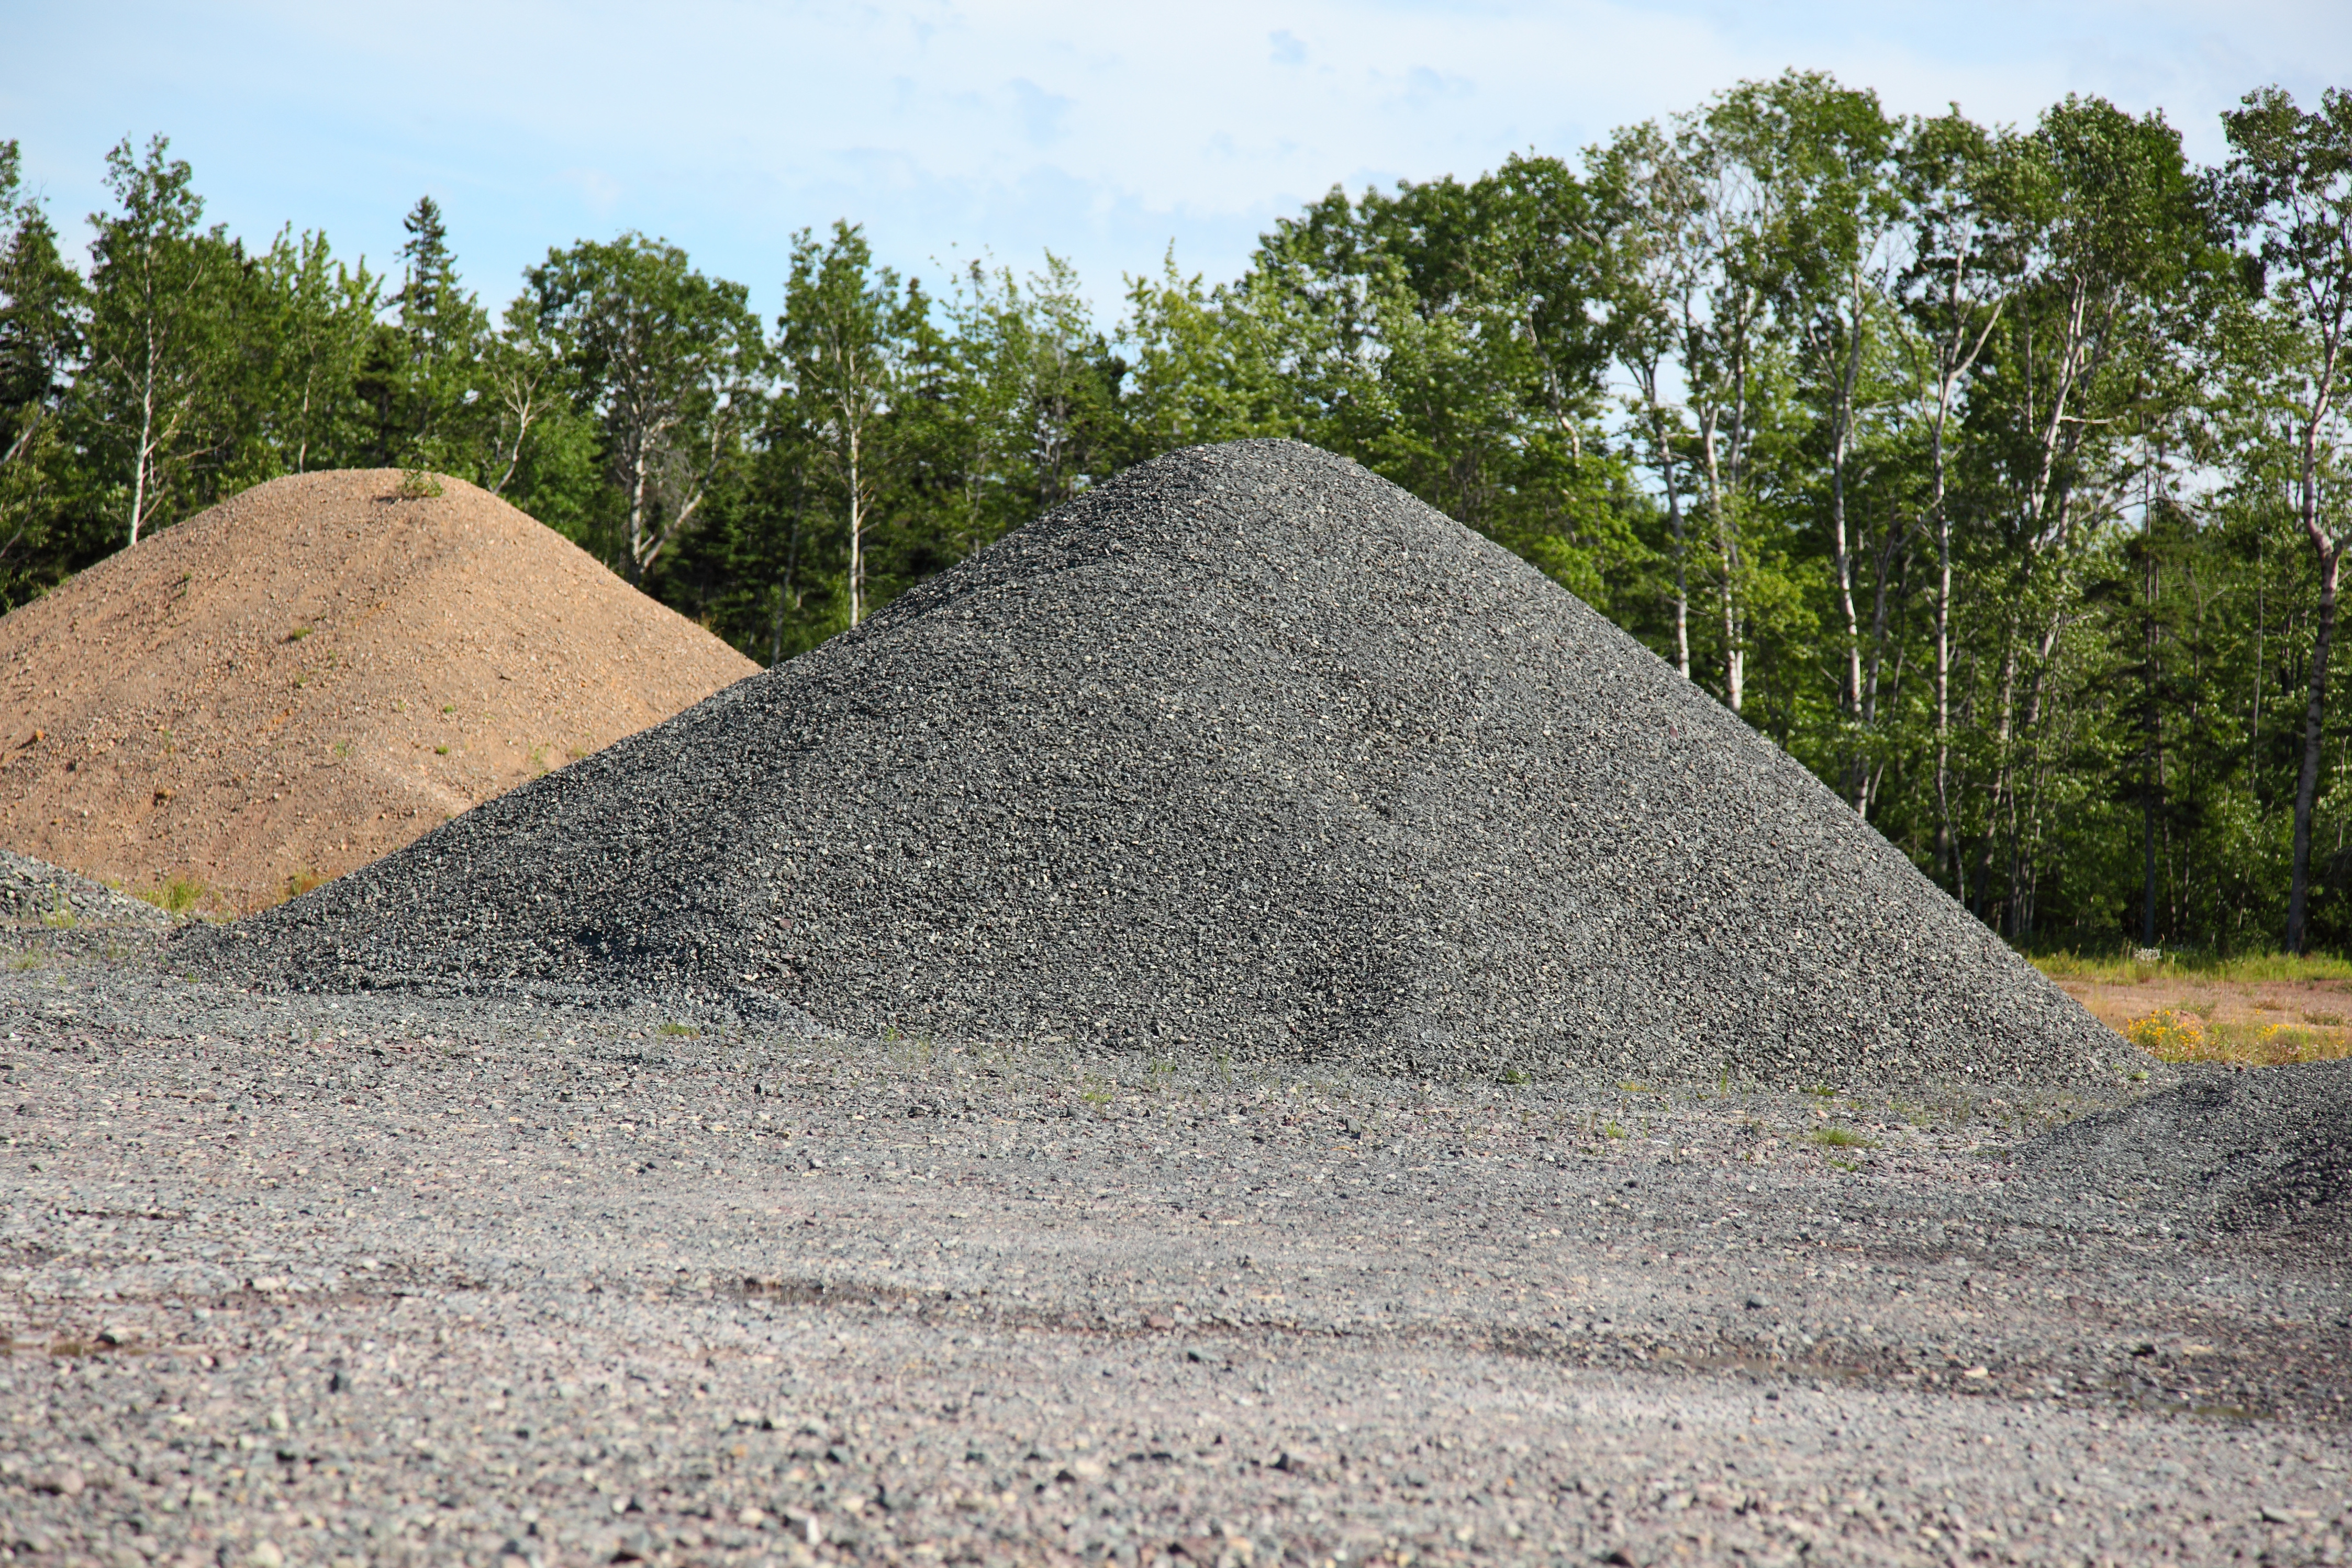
(1245, 752)
(2265, 1154)
(37, 893)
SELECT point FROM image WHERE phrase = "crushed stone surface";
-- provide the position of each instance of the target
(392, 1279)
(1248, 753)
(313, 673)
(37, 893)
(2265, 1152)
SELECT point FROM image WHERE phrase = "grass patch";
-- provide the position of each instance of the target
(2243, 968)
(416, 485)
(178, 896)
(687, 1030)
(1841, 1138)
(302, 882)
(2181, 1034)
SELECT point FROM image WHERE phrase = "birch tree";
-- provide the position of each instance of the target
(2060, 414)
(1964, 261)
(159, 330)
(1830, 242)
(1649, 271)
(844, 335)
(2290, 180)
(667, 360)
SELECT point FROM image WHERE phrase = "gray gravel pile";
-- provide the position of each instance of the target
(1247, 751)
(2265, 1154)
(37, 893)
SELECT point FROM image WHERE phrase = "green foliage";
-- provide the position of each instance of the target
(178, 895)
(664, 361)
(156, 399)
(43, 309)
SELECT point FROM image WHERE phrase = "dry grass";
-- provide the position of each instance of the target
(2259, 969)
(2268, 1011)
(2171, 1035)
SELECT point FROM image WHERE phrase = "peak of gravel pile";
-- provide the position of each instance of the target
(36, 893)
(313, 673)
(1247, 750)
(2265, 1154)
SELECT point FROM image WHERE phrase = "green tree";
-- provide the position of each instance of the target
(2071, 411)
(847, 333)
(42, 312)
(162, 295)
(421, 376)
(667, 360)
(1830, 246)
(1962, 217)
(317, 319)
(1203, 365)
(2289, 179)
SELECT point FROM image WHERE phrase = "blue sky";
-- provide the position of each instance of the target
(1006, 126)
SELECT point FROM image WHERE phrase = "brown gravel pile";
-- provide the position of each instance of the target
(310, 674)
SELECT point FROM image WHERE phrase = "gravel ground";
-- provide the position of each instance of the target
(1246, 753)
(296, 1280)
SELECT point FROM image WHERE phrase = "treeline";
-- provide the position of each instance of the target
(1993, 471)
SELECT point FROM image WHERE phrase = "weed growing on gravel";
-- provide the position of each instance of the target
(689, 1030)
(1841, 1138)
(417, 484)
(302, 882)
(178, 896)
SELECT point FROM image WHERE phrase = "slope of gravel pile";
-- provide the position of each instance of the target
(37, 893)
(2264, 1153)
(1247, 750)
(313, 673)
